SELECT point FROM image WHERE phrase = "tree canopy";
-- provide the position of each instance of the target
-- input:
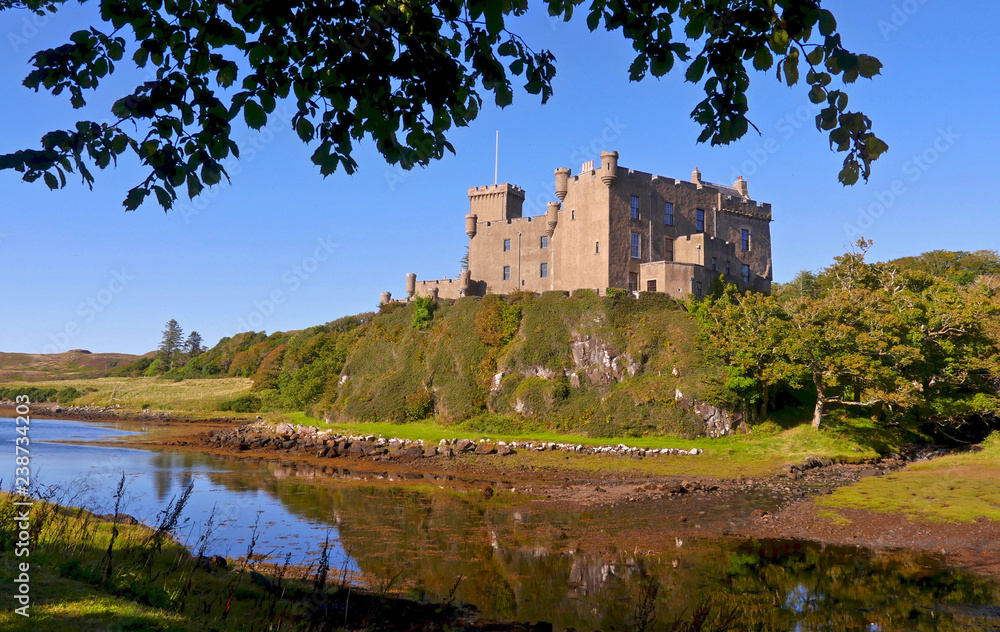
(887, 337)
(402, 73)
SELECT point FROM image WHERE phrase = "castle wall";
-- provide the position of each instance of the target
(487, 256)
(580, 241)
(591, 244)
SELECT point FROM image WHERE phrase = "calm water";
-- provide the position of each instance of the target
(598, 570)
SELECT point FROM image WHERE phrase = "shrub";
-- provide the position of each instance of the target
(68, 394)
(243, 404)
(419, 405)
(496, 321)
(423, 312)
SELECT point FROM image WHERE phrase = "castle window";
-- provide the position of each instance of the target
(636, 247)
(727, 267)
(506, 273)
(544, 272)
(668, 213)
(746, 273)
(697, 288)
(699, 222)
(714, 266)
(745, 238)
(572, 214)
(668, 249)
(633, 282)
(506, 245)
(545, 241)
(635, 207)
(651, 285)
(597, 247)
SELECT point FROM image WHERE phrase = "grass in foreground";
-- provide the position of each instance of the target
(761, 453)
(955, 488)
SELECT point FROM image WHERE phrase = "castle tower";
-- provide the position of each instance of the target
(552, 218)
(609, 167)
(496, 202)
(562, 182)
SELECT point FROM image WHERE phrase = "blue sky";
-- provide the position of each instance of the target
(282, 248)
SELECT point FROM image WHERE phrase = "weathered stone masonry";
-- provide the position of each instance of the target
(612, 227)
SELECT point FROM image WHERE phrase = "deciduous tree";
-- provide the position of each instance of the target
(401, 73)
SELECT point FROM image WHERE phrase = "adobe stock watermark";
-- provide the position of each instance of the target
(785, 128)
(914, 169)
(291, 280)
(26, 31)
(22, 504)
(88, 311)
(277, 121)
(900, 15)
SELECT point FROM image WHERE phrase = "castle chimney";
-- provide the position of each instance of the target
(562, 182)
(741, 186)
(696, 176)
(609, 168)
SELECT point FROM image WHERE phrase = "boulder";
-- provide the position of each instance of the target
(285, 429)
(430, 452)
(486, 448)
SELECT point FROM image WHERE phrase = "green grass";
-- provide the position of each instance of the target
(955, 488)
(70, 589)
(132, 393)
(759, 454)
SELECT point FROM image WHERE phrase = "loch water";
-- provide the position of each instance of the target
(599, 569)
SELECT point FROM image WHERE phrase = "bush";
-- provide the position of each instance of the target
(244, 404)
(68, 394)
(423, 312)
(419, 405)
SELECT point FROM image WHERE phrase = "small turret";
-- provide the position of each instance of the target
(411, 284)
(609, 167)
(463, 283)
(386, 297)
(562, 182)
(470, 224)
(434, 292)
(552, 217)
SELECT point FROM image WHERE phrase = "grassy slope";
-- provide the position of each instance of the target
(135, 393)
(32, 367)
(955, 488)
(759, 454)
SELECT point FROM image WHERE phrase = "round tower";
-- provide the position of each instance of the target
(552, 217)
(463, 283)
(434, 292)
(470, 224)
(562, 182)
(386, 297)
(411, 284)
(609, 167)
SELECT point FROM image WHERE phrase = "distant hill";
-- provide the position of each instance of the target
(75, 364)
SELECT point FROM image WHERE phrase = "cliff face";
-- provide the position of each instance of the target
(604, 366)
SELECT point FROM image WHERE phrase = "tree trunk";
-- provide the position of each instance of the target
(820, 402)
(763, 402)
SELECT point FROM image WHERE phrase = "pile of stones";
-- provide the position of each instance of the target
(328, 444)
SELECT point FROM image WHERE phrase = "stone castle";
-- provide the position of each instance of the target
(612, 227)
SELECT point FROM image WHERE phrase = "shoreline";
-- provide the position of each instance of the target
(768, 507)
(781, 506)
